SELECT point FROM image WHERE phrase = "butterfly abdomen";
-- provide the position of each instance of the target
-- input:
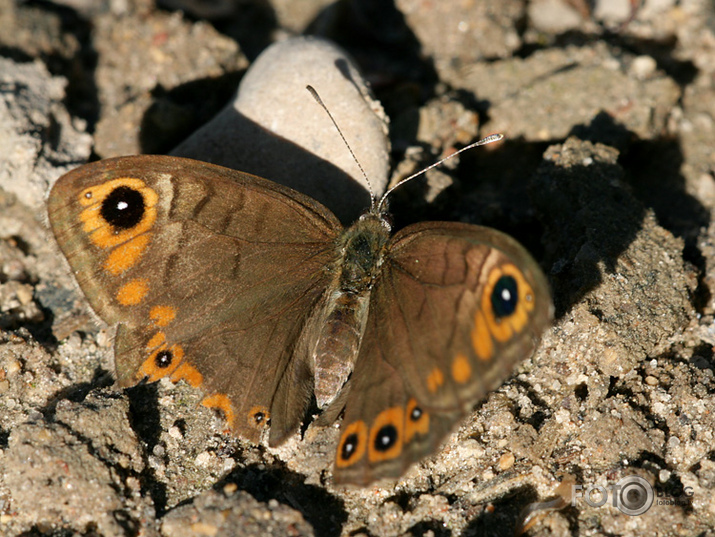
(338, 343)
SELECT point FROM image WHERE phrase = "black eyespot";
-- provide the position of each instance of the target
(123, 208)
(349, 446)
(416, 414)
(386, 438)
(505, 297)
(259, 417)
(163, 359)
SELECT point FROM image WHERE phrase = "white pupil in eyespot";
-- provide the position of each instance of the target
(505, 295)
(122, 205)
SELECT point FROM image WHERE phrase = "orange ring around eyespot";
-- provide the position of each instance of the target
(100, 232)
(251, 419)
(359, 429)
(95, 194)
(392, 416)
(504, 328)
(153, 372)
(499, 329)
(412, 428)
(520, 317)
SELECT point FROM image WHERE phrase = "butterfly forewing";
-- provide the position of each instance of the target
(455, 307)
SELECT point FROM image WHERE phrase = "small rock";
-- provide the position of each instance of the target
(554, 16)
(275, 129)
(643, 67)
(506, 461)
(219, 514)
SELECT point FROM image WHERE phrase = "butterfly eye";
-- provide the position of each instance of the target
(123, 208)
(163, 359)
(505, 296)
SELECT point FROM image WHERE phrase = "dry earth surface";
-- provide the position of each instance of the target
(607, 177)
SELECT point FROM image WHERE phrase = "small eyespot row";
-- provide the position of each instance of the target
(385, 438)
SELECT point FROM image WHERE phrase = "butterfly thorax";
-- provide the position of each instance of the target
(343, 314)
(362, 250)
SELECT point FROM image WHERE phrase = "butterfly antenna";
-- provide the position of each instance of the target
(373, 199)
(484, 141)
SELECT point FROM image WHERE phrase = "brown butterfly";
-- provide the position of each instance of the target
(258, 295)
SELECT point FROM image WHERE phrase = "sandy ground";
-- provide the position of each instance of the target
(607, 177)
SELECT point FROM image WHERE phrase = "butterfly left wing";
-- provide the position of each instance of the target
(454, 309)
(209, 273)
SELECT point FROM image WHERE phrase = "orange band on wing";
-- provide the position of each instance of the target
(156, 340)
(126, 255)
(481, 338)
(461, 369)
(435, 379)
(188, 373)
(221, 401)
(133, 292)
(162, 315)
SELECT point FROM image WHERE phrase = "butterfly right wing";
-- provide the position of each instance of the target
(454, 309)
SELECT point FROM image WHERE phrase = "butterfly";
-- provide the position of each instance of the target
(259, 296)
